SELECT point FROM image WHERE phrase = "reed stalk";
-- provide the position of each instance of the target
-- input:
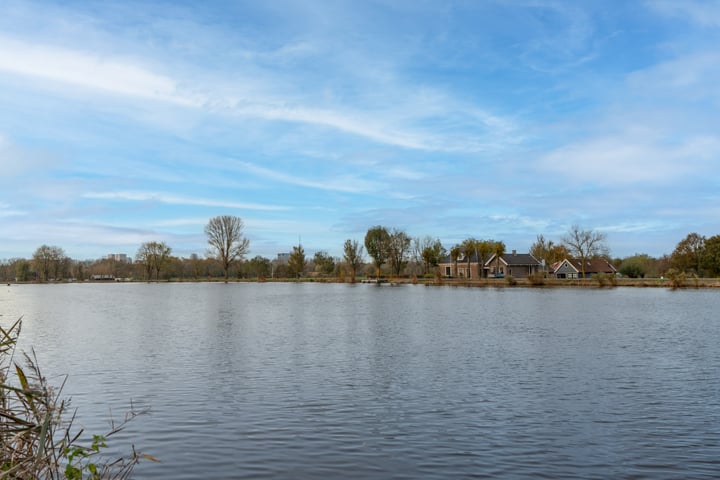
(37, 438)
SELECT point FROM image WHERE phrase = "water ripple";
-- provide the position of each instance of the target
(278, 381)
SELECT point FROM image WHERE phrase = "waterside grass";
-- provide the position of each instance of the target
(37, 438)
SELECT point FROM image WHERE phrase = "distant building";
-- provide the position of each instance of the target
(102, 278)
(519, 265)
(119, 257)
(283, 258)
(573, 268)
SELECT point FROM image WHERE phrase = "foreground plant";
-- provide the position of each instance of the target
(36, 435)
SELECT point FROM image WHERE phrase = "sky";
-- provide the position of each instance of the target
(314, 120)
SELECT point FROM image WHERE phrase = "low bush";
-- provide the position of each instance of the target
(677, 278)
(605, 279)
(536, 279)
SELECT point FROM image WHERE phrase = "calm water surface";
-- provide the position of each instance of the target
(358, 381)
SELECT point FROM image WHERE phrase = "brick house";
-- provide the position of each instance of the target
(518, 265)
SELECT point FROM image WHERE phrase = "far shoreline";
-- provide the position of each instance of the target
(691, 284)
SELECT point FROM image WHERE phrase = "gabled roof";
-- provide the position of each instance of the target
(461, 259)
(509, 259)
(514, 259)
(595, 265)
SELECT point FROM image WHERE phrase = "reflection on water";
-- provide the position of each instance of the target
(365, 381)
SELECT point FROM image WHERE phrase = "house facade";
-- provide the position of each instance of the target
(519, 265)
(573, 268)
(464, 267)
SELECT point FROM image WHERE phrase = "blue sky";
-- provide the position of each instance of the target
(128, 122)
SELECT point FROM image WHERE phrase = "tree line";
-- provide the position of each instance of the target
(391, 251)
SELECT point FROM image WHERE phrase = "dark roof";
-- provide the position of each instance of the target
(520, 259)
(595, 265)
(514, 259)
(509, 258)
(461, 259)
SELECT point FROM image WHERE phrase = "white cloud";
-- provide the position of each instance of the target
(89, 71)
(172, 199)
(702, 12)
(695, 76)
(181, 222)
(6, 210)
(632, 159)
(16, 161)
(409, 121)
(347, 183)
(635, 227)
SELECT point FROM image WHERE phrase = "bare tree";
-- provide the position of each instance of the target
(49, 260)
(548, 251)
(227, 242)
(423, 253)
(431, 254)
(353, 256)
(398, 250)
(584, 244)
(154, 256)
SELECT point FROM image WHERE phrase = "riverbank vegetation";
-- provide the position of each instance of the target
(37, 437)
(385, 252)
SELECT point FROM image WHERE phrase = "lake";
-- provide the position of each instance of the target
(306, 381)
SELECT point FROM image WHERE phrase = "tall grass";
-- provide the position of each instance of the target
(37, 439)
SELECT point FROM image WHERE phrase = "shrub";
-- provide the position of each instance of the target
(512, 281)
(633, 267)
(36, 438)
(537, 279)
(676, 278)
(605, 279)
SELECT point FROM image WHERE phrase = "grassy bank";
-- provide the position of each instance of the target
(485, 282)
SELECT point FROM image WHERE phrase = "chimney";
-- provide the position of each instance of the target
(514, 252)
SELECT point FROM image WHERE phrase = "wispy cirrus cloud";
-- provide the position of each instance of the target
(88, 70)
(412, 123)
(685, 78)
(502, 119)
(702, 12)
(346, 183)
(172, 199)
(632, 159)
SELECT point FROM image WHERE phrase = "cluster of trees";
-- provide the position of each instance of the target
(697, 255)
(227, 246)
(694, 255)
(391, 251)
